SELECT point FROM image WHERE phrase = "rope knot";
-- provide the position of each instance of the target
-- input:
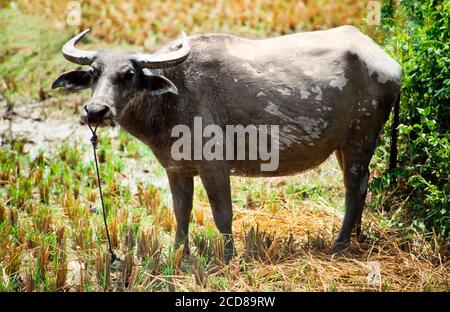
(94, 140)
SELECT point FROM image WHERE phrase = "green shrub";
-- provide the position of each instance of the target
(417, 34)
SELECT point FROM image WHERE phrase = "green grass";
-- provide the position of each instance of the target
(30, 52)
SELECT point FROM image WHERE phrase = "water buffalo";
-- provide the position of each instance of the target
(328, 91)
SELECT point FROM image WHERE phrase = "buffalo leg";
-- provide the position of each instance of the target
(182, 189)
(355, 159)
(216, 180)
(363, 192)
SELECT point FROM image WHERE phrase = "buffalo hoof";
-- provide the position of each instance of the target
(229, 251)
(361, 237)
(339, 247)
(186, 249)
(229, 255)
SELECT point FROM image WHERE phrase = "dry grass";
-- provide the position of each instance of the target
(141, 22)
(290, 250)
(406, 264)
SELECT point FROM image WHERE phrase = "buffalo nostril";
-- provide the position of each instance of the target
(102, 112)
(89, 110)
(96, 112)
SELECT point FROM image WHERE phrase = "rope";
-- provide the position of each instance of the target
(94, 141)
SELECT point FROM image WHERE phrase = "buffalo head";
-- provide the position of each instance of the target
(117, 78)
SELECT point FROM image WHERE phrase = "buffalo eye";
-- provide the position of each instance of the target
(128, 75)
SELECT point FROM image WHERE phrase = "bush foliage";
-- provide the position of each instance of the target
(417, 33)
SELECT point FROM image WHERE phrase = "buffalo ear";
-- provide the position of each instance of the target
(73, 80)
(159, 84)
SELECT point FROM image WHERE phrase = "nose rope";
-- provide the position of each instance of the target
(94, 142)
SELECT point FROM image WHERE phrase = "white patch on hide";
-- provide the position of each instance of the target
(251, 69)
(339, 82)
(304, 94)
(284, 91)
(312, 127)
(318, 91)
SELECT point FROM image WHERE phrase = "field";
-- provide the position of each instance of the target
(52, 236)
